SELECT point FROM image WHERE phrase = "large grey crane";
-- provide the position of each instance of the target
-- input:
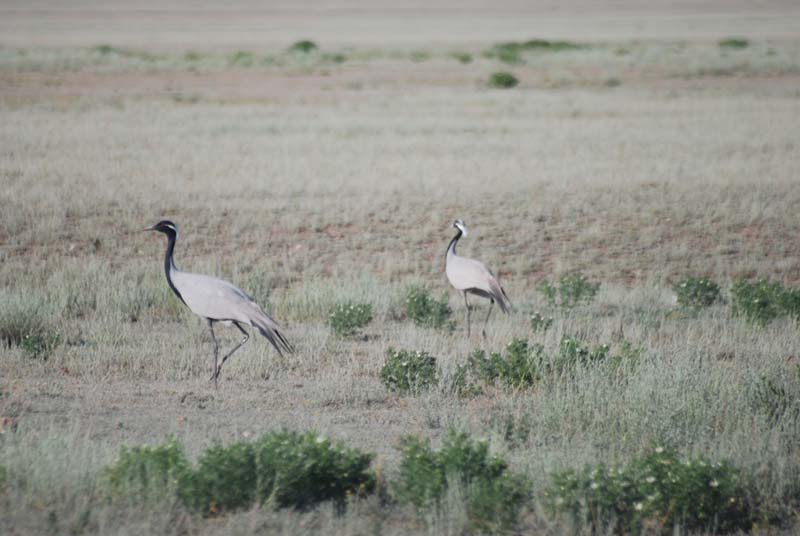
(216, 300)
(470, 276)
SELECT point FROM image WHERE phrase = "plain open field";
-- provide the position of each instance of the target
(648, 155)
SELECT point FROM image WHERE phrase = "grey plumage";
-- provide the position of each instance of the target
(218, 301)
(470, 276)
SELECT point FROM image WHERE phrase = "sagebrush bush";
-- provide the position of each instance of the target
(573, 353)
(348, 318)
(572, 290)
(523, 364)
(305, 46)
(409, 371)
(148, 472)
(241, 58)
(541, 323)
(494, 496)
(225, 479)
(425, 310)
(696, 292)
(520, 366)
(285, 469)
(734, 43)
(511, 52)
(301, 470)
(762, 301)
(658, 490)
(502, 80)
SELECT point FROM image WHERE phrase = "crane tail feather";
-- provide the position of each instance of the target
(270, 330)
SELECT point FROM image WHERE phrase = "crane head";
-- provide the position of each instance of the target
(459, 224)
(164, 226)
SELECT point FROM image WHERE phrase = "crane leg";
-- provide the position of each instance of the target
(216, 349)
(486, 322)
(466, 304)
(226, 356)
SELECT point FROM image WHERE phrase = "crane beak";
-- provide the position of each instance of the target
(153, 228)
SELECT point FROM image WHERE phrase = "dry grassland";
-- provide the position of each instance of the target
(651, 155)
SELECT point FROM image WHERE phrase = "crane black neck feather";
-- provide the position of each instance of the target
(452, 245)
(169, 261)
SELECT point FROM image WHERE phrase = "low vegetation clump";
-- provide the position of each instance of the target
(520, 366)
(462, 57)
(148, 472)
(523, 364)
(696, 292)
(409, 371)
(541, 323)
(285, 469)
(502, 80)
(658, 491)
(346, 319)
(572, 290)
(24, 325)
(305, 46)
(424, 310)
(762, 301)
(511, 52)
(241, 58)
(573, 353)
(494, 496)
(736, 43)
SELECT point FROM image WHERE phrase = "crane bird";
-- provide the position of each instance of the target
(470, 276)
(216, 300)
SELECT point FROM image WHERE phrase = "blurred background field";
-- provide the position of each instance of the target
(317, 156)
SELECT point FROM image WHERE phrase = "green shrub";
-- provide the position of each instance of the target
(734, 43)
(334, 58)
(425, 310)
(502, 80)
(285, 469)
(3, 476)
(524, 364)
(520, 367)
(408, 371)
(512, 51)
(148, 473)
(305, 46)
(572, 290)
(696, 292)
(572, 353)
(301, 470)
(462, 57)
(494, 496)
(763, 301)
(347, 318)
(225, 479)
(657, 490)
(241, 58)
(541, 323)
